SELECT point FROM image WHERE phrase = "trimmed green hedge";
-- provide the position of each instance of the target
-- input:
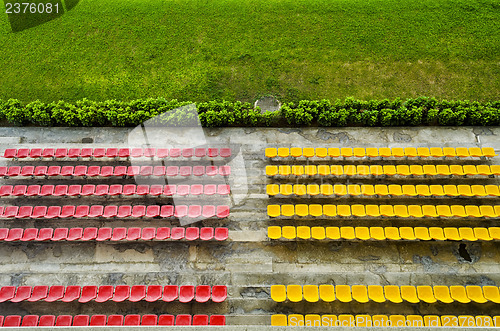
(348, 112)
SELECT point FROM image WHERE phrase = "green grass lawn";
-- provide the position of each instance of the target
(241, 49)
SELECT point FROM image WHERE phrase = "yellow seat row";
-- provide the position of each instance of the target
(317, 210)
(383, 233)
(379, 170)
(346, 320)
(384, 190)
(424, 152)
(389, 293)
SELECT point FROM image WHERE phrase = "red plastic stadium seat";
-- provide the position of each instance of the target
(142, 190)
(183, 190)
(153, 211)
(170, 293)
(192, 233)
(56, 292)
(162, 233)
(159, 171)
(124, 152)
(104, 234)
(80, 171)
(124, 211)
(210, 189)
(119, 234)
(33, 190)
(194, 211)
(133, 233)
(48, 153)
(136, 152)
(101, 190)
(74, 190)
(24, 212)
(120, 171)
(222, 211)
(105, 293)
(74, 234)
(187, 152)
(81, 320)
(217, 320)
(54, 171)
(185, 171)
(208, 211)
(19, 190)
(61, 153)
(112, 153)
(221, 234)
(47, 190)
(88, 190)
(12, 321)
(225, 152)
(4, 232)
(219, 293)
(10, 153)
(10, 211)
(223, 189)
(213, 152)
(22, 293)
(68, 211)
(211, 170)
(86, 152)
(115, 320)
(122, 293)
(82, 211)
(166, 211)
(137, 293)
(132, 320)
(98, 320)
(93, 171)
(156, 190)
(133, 171)
(200, 320)
(166, 320)
(182, 319)
(110, 211)
(60, 190)
(96, 211)
(196, 189)
(107, 171)
(72, 293)
(148, 233)
(149, 152)
(149, 320)
(89, 234)
(6, 190)
(29, 234)
(172, 171)
(200, 152)
(162, 153)
(53, 212)
(206, 233)
(47, 320)
(89, 293)
(7, 293)
(154, 293)
(198, 170)
(181, 211)
(146, 171)
(41, 171)
(225, 170)
(138, 211)
(169, 190)
(99, 152)
(74, 153)
(67, 171)
(45, 234)
(115, 189)
(40, 292)
(64, 320)
(23, 153)
(129, 189)
(175, 152)
(15, 234)
(3, 171)
(14, 171)
(186, 293)
(28, 171)
(202, 293)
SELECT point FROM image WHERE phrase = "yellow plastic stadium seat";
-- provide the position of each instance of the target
(295, 320)
(289, 232)
(310, 170)
(297, 170)
(425, 294)
(458, 211)
(346, 152)
(299, 190)
(347, 232)
(283, 152)
(449, 321)
(449, 152)
(360, 293)
(488, 152)
(363, 321)
(475, 293)
(308, 152)
(423, 152)
(462, 152)
(362, 232)
(494, 233)
(442, 293)
(363, 170)
(368, 190)
(354, 190)
(312, 320)
(456, 170)
(334, 152)
(272, 189)
(358, 210)
(346, 320)
(403, 170)
(443, 170)
(381, 321)
(274, 232)
(458, 294)
(397, 320)
(376, 170)
(376, 293)
(443, 211)
(496, 320)
(429, 170)
(467, 234)
(318, 232)
(333, 232)
(350, 170)
(452, 234)
(337, 170)
(344, 210)
(326, 189)
(395, 190)
(386, 210)
(432, 320)
(313, 189)
(392, 293)
(497, 210)
(485, 321)
(422, 233)
(491, 293)
(271, 170)
(316, 210)
(330, 210)
(372, 210)
(429, 211)
(401, 211)
(294, 293)
(478, 190)
(311, 293)
(296, 151)
(278, 293)
(359, 152)
(423, 190)
(302, 210)
(411, 152)
(406, 233)
(323, 170)
(492, 190)
(326, 293)
(436, 233)
(287, 210)
(436, 152)
(372, 152)
(409, 293)
(286, 189)
(482, 234)
(397, 152)
(450, 190)
(483, 170)
(343, 293)
(389, 170)
(475, 152)
(377, 233)
(273, 210)
(487, 211)
(416, 170)
(381, 190)
(414, 321)
(409, 190)
(284, 170)
(303, 232)
(466, 190)
(279, 320)
(466, 321)
(392, 233)
(271, 152)
(321, 152)
(328, 320)
(470, 170)
(384, 152)
(436, 190)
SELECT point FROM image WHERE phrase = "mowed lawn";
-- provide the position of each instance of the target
(202, 50)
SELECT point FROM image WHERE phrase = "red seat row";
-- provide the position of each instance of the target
(111, 190)
(109, 171)
(111, 320)
(119, 293)
(111, 211)
(113, 234)
(36, 153)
